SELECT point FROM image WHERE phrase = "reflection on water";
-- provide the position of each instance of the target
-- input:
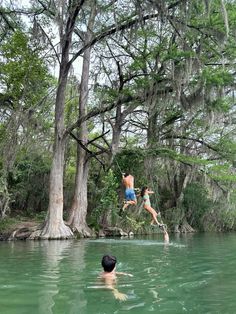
(127, 241)
(193, 273)
(53, 253)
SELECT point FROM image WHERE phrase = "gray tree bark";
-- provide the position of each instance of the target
(55, 227)
(78, 212)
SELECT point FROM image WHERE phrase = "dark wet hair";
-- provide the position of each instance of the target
(126, 174)
(108, 263)
(144, 188)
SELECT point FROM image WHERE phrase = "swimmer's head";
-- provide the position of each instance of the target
(108, 263)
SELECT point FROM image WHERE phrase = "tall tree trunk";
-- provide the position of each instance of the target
(4, 196)
(78, 212)
(54, 227)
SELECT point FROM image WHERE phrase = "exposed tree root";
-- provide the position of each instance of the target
(22, 231)
(176, 229)
(52, 232)
(186, 228)
(82, 231)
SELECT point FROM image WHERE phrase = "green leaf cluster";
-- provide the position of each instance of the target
(217, 77)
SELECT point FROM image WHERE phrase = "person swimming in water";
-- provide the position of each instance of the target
(109, 276)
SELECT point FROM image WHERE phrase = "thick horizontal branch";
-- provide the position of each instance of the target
(112, 30)
(101, 149)
(181, 137)
(97, 137)
(97, 111)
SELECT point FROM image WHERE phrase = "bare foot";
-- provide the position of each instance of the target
(125, 206)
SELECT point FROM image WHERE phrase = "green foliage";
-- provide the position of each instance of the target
(7, 223)
(228, 219)
(222, 173)
(108, 200)
(107, 94)
(174, 216)
(175, 155)
(24, 75)
(133, 223)
(138, 64)
(131, 161)
(174, 53)
(196, 203)
(220, 105)
(217, 77)
(220, 217)
(28, 184)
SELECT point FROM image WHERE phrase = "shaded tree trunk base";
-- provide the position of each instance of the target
(61, 232)
(186, 228)
(113, 232)
(82, 231)
(176, 229)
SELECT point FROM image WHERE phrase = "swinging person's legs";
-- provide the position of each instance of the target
(166, 236)
(154, 219)
(153, 213)
(127, 203)
(130, 198)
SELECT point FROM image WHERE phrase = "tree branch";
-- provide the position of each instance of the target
(96, 138)
(112, 30)
(91, 154)
(51, 44)
(97, 111)
(191, 139)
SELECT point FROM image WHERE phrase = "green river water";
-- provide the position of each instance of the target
(193, 274)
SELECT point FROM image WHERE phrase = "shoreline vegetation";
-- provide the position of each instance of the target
(14, 229)
(22, 228)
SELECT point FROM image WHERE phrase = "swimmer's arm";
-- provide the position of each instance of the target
(124, 274)
(150, 192)
(117, 294)
(110, 285)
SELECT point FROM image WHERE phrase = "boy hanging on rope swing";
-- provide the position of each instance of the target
(130, 197)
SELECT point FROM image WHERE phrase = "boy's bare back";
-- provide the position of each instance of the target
(128, 182)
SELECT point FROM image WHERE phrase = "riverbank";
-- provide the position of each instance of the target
(19, 229)
(22, 228)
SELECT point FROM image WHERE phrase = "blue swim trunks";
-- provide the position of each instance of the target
(130, 195)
